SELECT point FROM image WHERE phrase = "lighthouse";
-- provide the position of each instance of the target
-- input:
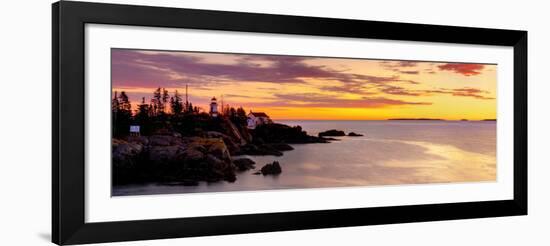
(214, 107)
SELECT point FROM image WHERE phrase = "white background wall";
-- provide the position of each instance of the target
(25, 56)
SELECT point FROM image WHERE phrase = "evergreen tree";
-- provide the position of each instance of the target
(239, 117)
(191, 109)
(165, 98)
(172, 104)
(241, 113)
(151, 112)
(122, 114)
(143, 115)
(125, 103)
(115, 103)
(157, 101)
(114, 110)
(227, 111)
(143, 110)
(176, 104)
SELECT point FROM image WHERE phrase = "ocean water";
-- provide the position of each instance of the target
(389, 153)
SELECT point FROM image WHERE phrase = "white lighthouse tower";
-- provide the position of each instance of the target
(214, 107)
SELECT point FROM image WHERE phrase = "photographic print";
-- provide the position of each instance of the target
(279, 121)
(188, 122)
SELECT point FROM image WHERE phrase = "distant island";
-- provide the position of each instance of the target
(436, 119)
(414, 119)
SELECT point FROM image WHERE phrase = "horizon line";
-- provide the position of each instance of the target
(390, 119)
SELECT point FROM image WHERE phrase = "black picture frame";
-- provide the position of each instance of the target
(68, 172)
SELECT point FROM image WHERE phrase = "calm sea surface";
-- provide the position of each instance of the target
(389, 153)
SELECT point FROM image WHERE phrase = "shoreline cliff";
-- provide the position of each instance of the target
(207, 153)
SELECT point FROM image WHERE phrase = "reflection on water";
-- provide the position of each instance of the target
(389, 153)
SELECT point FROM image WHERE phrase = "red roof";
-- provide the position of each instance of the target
(259, 114)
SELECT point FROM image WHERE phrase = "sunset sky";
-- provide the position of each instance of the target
(295, 87)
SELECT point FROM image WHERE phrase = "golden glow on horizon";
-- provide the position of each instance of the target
(443, 107)
(435, 93)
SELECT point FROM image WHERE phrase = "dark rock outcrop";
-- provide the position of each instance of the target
(162, 155)
(215, 164)
(259, 149)
(199, 148)
(229, 141)
(353, 134)
(184, 182)
(125, 154)
(279, 133)
(244, 164)
(332, 133)
(280, 146)
(271, 168)
(275, 149)
(166, 158)
(238, 134)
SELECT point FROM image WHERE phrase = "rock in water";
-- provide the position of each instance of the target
(353, 134)
(244, 164)
(332, 133)
(271, 168)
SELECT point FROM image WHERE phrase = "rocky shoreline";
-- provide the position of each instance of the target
(337, 133)
(168, 157)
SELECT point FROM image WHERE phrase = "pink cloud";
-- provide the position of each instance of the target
(466, 69)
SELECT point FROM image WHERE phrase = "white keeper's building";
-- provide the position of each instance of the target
(257, 118)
